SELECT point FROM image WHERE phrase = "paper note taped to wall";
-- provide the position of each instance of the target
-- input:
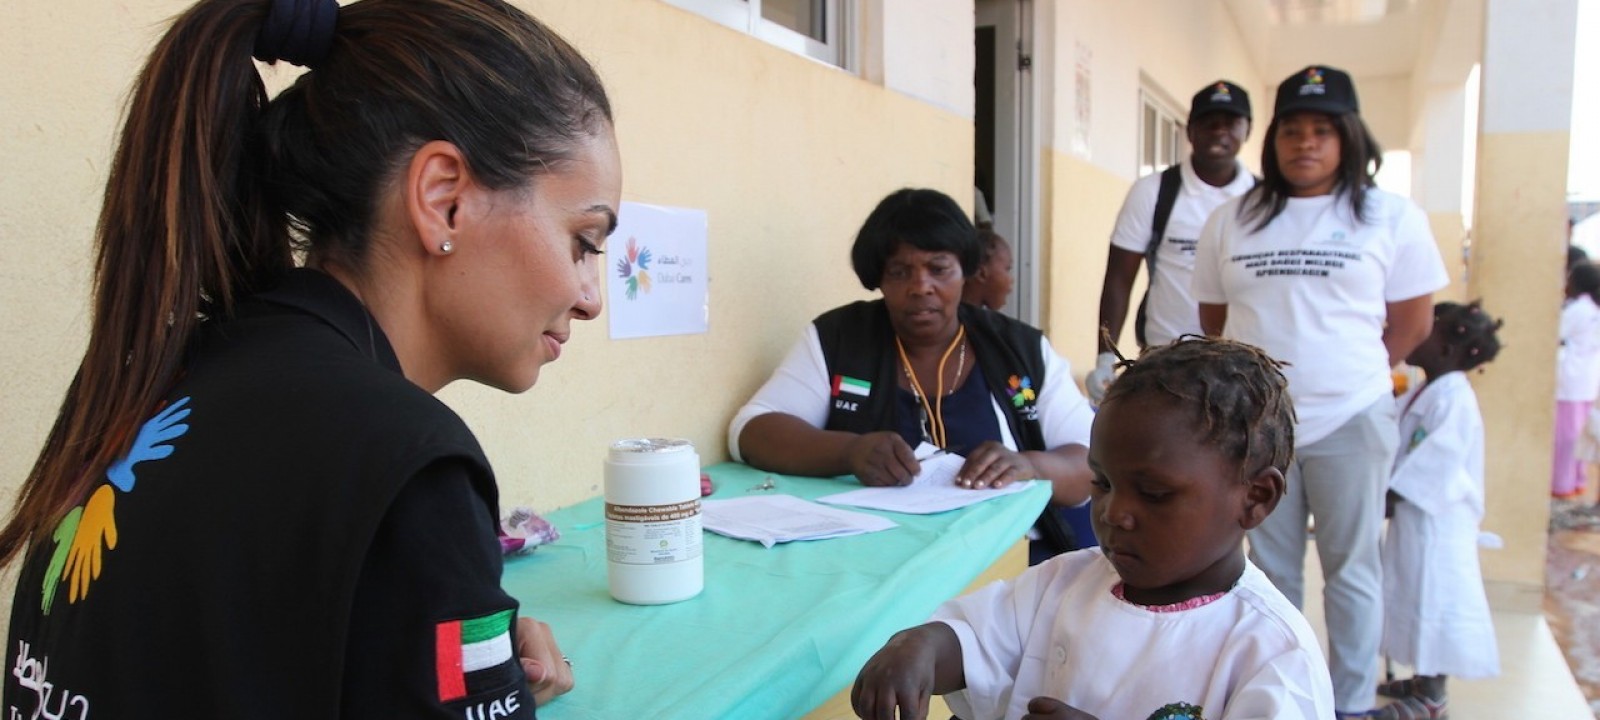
(655, 272)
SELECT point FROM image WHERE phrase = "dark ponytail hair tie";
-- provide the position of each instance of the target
(299, 31)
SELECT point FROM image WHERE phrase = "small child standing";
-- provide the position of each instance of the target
(1436, 617)
(1167, 619)
(1577, 376)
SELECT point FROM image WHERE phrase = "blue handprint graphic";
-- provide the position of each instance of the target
(150, 443)
(82, 532)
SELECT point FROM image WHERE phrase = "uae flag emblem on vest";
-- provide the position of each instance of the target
(464, 647)
(850, 385)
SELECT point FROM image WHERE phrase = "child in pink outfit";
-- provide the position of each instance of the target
(1577, 375)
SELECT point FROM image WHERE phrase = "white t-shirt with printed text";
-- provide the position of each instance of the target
(1312, 289)
(1057, 631)
(1170, 309)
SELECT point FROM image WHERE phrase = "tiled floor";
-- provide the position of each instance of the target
(1572, 597)
(1535, 682)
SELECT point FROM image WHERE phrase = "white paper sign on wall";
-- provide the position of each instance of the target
(655, 272)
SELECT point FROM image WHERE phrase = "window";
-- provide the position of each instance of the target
(1161, 135)
(814, 28)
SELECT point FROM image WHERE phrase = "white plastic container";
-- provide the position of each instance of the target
(653, 540)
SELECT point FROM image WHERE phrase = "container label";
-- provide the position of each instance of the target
(653, 534)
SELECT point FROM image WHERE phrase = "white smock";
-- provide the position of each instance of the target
(1057, 631)
(1436, 616)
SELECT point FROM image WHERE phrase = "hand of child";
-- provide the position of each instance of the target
(1049, 708)
(900, 677)
(993, 465)
(883, 458)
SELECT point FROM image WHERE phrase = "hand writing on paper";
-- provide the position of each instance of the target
(882, 458)
(1049, 708)
(993, 465)
(549, 672)
(65, 531)
(150, 444)
(98, 523)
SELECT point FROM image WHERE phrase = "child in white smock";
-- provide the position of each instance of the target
(1167, 619)
(1577, 377)
(1436, 617)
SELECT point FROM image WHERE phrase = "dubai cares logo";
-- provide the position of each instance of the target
(634, 268)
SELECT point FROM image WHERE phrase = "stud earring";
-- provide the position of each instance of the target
(447, 247)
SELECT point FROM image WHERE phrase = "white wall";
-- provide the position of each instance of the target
(1438, 145)
(1194, 44)
(928, 51)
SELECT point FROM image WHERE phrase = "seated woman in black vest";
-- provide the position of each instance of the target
(870, 381)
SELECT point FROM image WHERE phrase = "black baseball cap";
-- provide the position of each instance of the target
(1220, 96)
(1318, 87)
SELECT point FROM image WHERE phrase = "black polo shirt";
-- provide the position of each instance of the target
(297, 532)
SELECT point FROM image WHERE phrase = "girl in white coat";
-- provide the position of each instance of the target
(1436, 618)
(1577, 376)
(1167, 619)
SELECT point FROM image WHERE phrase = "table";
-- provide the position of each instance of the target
(777, 631)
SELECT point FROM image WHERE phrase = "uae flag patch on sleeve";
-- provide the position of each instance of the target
(466, 648)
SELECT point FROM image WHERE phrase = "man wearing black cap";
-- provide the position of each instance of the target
(1160, 221)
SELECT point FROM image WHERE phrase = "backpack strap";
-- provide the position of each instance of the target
(1166, 197)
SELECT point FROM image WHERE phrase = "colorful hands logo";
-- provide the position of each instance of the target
(1020, 390)
(633, 268)
(1178, 711)
(82, 533)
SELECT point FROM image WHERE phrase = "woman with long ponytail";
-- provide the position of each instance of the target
(250, 503)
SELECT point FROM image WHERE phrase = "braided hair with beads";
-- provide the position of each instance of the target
(1469, 329)
(1236, 393)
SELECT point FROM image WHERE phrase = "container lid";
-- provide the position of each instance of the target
(655, 446)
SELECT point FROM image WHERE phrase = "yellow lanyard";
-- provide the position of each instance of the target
(934, 412)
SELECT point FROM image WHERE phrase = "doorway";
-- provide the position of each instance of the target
(1005, 147)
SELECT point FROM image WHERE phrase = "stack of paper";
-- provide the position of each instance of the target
(934, 490)
(772, 519)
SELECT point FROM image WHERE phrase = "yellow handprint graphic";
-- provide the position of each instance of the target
(78, 554)
(97, 523)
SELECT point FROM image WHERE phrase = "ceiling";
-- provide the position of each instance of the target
(1437, 38)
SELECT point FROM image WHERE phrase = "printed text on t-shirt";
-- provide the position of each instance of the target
(1307, 263)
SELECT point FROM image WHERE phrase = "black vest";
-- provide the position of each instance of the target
(858, 344)
(232, 585)
(858, 347)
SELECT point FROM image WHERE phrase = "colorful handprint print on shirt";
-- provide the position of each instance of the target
(150, 443)
(89, 531)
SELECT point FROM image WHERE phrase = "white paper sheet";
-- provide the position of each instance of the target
(772, 519)
(655, 272)
(934, 490)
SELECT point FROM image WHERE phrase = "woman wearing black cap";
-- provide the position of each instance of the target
(1335, 276)
(251, 504)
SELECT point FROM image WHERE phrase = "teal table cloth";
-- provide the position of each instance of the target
(777, 631)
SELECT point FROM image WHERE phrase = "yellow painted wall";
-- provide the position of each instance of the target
(1083, 201)
(1450, 232)
(1518, 266)
(786, 154)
